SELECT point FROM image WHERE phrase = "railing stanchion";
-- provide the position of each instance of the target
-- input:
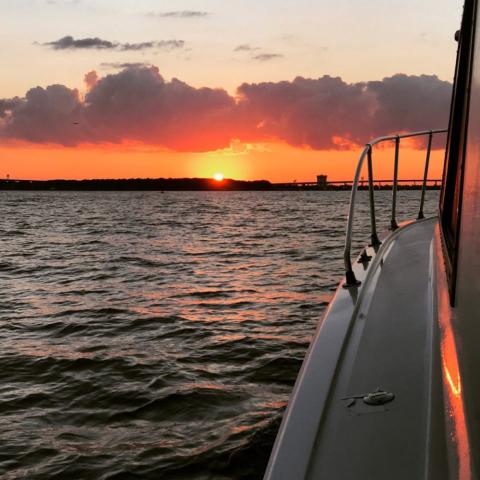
(425, 176)
(374, 236)
(351, 280)
(393, 223)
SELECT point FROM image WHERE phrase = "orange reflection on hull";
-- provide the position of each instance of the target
(452, 382)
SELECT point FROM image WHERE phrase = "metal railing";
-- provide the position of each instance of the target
(367, 153)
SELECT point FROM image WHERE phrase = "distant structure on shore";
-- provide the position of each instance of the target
(322, 183)
(206, 184)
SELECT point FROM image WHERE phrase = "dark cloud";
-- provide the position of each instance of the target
(309, 112)
(328, 113)
(45, 115)
(136, 46)
(170, 44)
(139, 105)
(136, 104)
(123, 65)
(410, 102)
(70, 43)
(266, 57)
(7, 105)
(162, 45)
(180, 14)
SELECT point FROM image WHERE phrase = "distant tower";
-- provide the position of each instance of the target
(322, 181)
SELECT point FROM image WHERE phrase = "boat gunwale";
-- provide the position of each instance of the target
(295, 441)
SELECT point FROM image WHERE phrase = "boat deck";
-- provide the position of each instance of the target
(377, 336)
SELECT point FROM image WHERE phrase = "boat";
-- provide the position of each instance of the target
(390, 386)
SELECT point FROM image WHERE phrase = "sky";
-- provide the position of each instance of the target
(281, 90)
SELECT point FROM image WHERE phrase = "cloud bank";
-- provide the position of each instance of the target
(138, 105)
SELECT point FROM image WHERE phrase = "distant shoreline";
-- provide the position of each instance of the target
(183, 184)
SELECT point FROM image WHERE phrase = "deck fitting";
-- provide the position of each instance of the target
(379, 397)
(351, 280)
(376, 398)
(364, 257)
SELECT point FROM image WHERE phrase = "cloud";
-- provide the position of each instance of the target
(328, 113)
(266, 57)
(170, 44)
(123, 65)
(70, 43)
(246, 48)
(90, 79)
(137, 105)
(45, 115)
(162, 45)
(7, 105)
(180, 14)
(63, 2)
(136, 46)
(259, 57)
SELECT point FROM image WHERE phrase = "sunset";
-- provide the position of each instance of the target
(240, 240)
(166, 100)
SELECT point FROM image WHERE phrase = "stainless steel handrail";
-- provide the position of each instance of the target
(351, 280)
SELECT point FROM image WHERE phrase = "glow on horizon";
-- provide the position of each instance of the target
(275, 162)
(281, 41)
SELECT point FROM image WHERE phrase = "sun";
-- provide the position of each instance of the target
(218, 177)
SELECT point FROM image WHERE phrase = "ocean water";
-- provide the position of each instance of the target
(158, 336)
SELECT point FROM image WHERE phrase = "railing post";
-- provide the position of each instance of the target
(425, 176)
(393, 223)
(351, 280)
(374, 236)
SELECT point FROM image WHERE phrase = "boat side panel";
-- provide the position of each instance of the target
(299, 431)
(390, 348)
(467, 324)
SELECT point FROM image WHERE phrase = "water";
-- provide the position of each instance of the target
(151, 336)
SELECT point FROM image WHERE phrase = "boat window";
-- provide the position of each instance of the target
(450, 202)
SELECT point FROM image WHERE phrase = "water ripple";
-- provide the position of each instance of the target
(150, 336)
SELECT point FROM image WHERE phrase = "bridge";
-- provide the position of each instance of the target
(347, 184)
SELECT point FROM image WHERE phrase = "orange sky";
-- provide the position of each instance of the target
(330, 46)
(274, 161)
